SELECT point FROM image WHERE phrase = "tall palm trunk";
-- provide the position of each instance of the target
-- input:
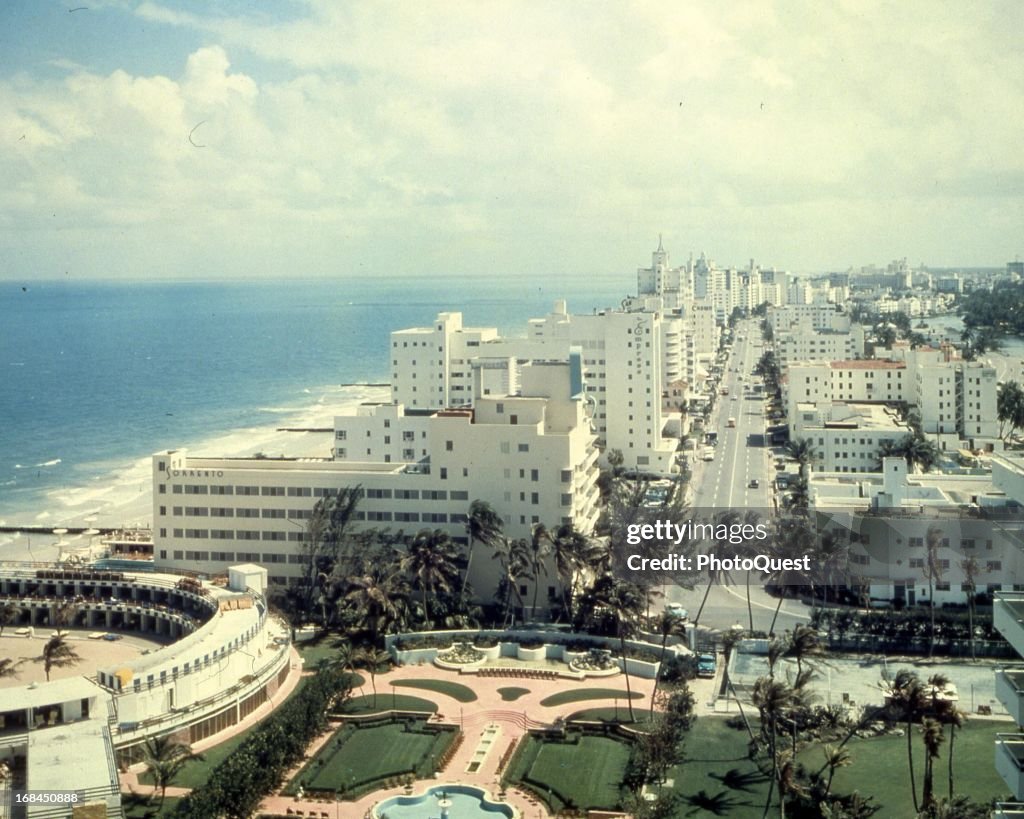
(625, 670)
(910, 764)
(704, 600)
(469, 564)
(750, 608)
(952, 736)
(931, 609)
(661, 665)
(775, 769)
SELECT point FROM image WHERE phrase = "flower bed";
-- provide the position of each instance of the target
(461, 654)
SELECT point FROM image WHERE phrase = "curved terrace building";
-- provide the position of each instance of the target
(227, 657)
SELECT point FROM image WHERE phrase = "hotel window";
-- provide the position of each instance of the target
(272, 491)
(341, 434)
(524, 447)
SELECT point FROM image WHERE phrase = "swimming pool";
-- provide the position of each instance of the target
(466, 803)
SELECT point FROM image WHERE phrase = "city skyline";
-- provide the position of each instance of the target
(152, 140)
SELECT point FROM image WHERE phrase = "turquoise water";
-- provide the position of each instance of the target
(94, 375)
(467, 803)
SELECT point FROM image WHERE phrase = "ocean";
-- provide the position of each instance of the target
(98, 375)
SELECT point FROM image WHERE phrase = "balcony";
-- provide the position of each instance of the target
(1010, 691)
(1008, 618)
(1010, 761)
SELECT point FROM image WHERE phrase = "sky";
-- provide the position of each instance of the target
(307, 138)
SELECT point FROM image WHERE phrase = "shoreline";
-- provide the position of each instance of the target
(122, 496)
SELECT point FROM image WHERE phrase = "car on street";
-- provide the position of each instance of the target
(754, 483)
(706, 665)
(676, 610)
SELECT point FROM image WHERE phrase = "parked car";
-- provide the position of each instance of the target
(676, 610)
(754, 483)
(706, 665)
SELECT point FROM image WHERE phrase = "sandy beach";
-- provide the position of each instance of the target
(122, 498)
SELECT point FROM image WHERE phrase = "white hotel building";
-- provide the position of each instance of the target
(630, 360)
(888, 516)
(956, 399)
(530, 455)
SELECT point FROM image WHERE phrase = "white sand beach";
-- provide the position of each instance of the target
(124, 496)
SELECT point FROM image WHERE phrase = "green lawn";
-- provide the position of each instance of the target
(387, 701)
(582, 694)
(352, 758)
(313, 651)
(718, 779)
(458, 691)
(620, 716)
(512, 693)
(585, 774)
(880, 767)
(136, 806)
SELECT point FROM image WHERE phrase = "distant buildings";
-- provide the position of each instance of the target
(847, 436)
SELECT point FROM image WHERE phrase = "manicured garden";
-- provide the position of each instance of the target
(458, 691)
(358, 757)
(583, 694)
(580, 772)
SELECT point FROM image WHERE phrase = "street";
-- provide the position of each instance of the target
(724, 483)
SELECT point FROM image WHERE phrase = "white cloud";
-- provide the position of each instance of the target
(532, 126)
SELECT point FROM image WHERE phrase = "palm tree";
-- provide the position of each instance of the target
(835, 758)
(909, 699)
(64, 615)
(969, 566)
(1010, 408)
(933, 574)
(57, 654)
(626, 603)
(483, 524)
(514, 556)
(430, 558)
(932, 737)
(919, 451)
(772, 698)
(326, 533)
(8, 614)
(669, 625)
(370, 659)
(9, 668)
(374, 598)
(540, 542)
(955, 718)
(802, 451)
(804, 646)
(570, 547)
(164, 758)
